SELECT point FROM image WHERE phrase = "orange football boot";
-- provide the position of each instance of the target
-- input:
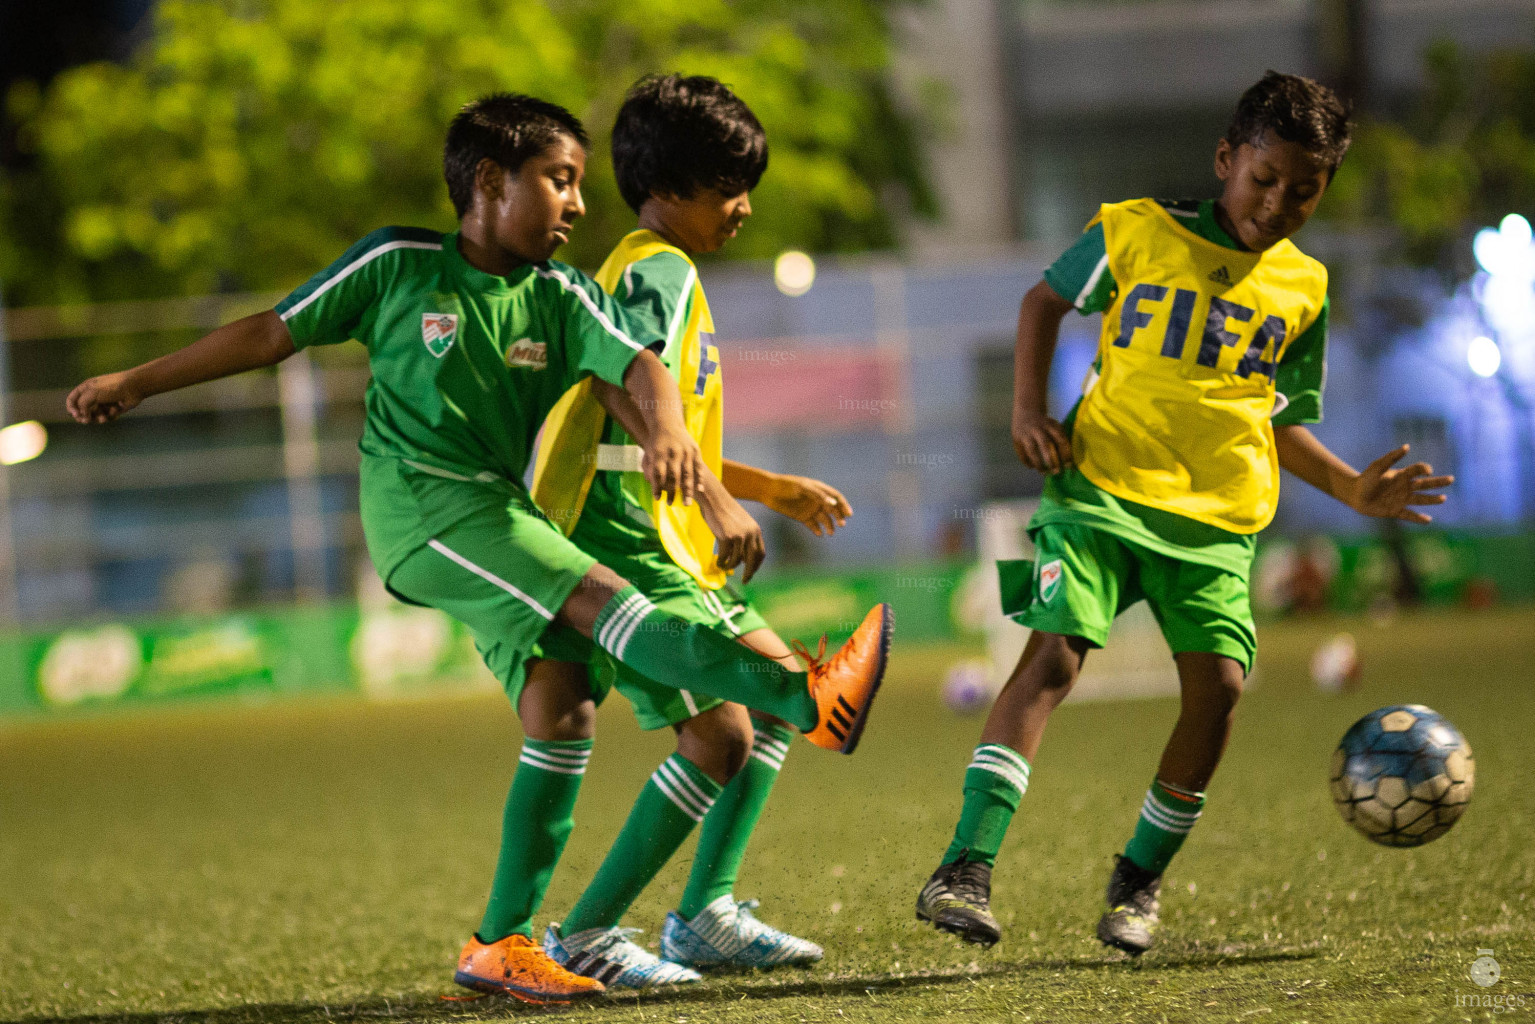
(518, 967)
(844, 687)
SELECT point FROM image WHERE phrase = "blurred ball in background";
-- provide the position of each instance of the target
(1335, 665)
(968, 688)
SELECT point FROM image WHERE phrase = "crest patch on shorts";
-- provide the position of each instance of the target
(1050, 580)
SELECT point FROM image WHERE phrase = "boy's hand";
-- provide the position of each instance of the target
(1386, 493)
(820, 506)
(102, 399)
(738, 537)
(673, 464)
(1041, 443)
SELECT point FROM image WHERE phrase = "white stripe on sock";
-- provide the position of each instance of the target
(550, 761)
(1006, 754)
(769, 751)
(1174, 812)
(1007, 767)
(679, 782)
(641, 612)
(1005, 772)
(666, 788)
(763, 741)
(565, 756)
(618, 616)
(1157, 816)
(545, 766)
(704, 799)
(777, 765)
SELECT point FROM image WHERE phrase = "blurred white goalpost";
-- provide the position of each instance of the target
(1134, 663)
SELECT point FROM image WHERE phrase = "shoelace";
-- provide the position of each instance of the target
(970, 883)
(812, 662)
(615, 937)
(749, 921)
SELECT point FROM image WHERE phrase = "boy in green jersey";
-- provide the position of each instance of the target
(687, 153)
(1210, 364)
(472, 337)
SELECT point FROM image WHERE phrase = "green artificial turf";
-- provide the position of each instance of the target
(324, 861)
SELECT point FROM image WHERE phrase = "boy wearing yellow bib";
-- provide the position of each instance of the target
(1210, 362)
(686, 152)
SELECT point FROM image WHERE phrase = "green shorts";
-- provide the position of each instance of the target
(672, 590)
(504, 571)
(613, 531)
(1082, 578)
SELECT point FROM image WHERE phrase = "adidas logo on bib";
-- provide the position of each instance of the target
(1221, 277)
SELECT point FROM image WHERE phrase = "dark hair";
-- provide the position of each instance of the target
(505, 127)
(1297, 110)
(678, 135)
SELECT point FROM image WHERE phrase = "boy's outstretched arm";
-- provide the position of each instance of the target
(247, 344)
(1380, 491)
(673, 463)
(820, 506)
(1041, 442)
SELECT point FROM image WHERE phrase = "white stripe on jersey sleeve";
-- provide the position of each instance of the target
(355, 265)
(549, 273)
(1092, 281)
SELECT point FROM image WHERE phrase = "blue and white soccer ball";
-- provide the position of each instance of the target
(967, 687)
(1402, 775)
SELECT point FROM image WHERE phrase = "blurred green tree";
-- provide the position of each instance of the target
(250, 141)
(1460, 158)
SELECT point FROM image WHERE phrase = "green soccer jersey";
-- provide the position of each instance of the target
(465, 366)
(1081, 276)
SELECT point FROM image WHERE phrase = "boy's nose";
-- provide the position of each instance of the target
(577, 205)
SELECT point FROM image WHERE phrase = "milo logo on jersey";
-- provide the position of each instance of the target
(1177, 309)
(438, 332)
(525, 352)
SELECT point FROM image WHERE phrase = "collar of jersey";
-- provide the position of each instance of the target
(478, 278)
(1206, 226)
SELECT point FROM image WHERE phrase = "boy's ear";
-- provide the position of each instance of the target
(1225, 155)
(489, 179)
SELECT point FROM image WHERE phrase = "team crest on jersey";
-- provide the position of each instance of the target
(438, 331)
(1050, 580)
(529, 353)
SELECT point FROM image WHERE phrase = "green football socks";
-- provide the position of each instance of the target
(694, 657)
(995, 782)
(676, 798)
(728, 827)
(1167, 816)
(537, 821)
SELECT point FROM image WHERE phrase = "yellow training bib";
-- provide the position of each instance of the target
(1178, 415)
(567, 455)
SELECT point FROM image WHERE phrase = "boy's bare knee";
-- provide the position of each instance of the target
(1211, 679)
(556, 704)
(1050, 664)
(718, 741)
